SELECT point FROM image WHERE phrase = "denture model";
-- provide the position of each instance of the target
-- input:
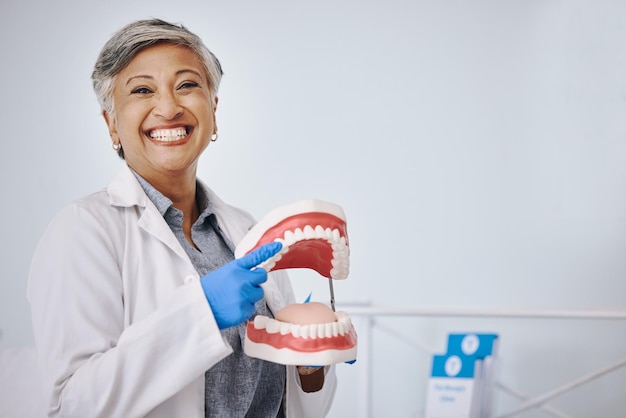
(314, 236)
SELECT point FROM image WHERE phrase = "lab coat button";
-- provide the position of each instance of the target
(189, 279)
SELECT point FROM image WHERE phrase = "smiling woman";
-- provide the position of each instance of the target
(139, 306)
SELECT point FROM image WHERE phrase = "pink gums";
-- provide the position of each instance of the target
(315, 254)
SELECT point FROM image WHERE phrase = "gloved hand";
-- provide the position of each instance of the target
(233, 289)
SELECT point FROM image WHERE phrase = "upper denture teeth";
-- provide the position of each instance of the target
(285, 246)
(298, 234)
(269, 265)
(290, 237)
(309, 232)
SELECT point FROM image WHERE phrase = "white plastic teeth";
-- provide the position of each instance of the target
(341, 253)
(313, 331)
(167, 135)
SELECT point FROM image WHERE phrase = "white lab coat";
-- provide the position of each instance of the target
(122, 325)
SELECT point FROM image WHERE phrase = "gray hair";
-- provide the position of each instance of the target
(137, 36)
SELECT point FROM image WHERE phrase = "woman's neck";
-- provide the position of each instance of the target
(181, 190)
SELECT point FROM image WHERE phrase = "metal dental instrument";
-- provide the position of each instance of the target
(332, 294)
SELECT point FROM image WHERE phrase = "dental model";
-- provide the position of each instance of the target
(314, 236)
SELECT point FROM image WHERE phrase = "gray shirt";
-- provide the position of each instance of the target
(238, 386)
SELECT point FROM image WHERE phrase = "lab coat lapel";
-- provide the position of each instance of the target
(153, 223)
(125, 191)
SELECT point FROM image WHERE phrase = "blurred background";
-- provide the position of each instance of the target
(478, 149)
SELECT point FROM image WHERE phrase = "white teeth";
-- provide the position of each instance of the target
(290, 238)
(268, 265)
(304, 331)
(295, 330)
(309, 232)
(313, 331)
(321, 330)
(285, 328)
(168, 135)
(299, 234)
(341, 252)
(260, 321)
(273, 326)
(328, 329)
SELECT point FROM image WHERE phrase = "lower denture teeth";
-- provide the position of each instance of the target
(304, 331)
(328, 330)
(285, 328)
(295, 330)
(273, 326)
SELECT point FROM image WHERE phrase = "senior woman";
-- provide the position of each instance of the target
(138, 305)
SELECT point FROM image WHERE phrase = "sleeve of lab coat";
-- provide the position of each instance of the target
(91, 364)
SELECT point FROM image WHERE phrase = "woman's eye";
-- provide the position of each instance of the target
(188, 84)
(141, 90)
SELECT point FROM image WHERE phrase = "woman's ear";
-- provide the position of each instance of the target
(215, 110)
(110, 121)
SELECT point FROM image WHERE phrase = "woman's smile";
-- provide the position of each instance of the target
(170, 136)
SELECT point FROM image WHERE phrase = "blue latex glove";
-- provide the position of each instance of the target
(233, 289)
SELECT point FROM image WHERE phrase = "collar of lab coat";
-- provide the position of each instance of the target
(125, 191)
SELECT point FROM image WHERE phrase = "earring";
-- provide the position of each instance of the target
(214, 137)
(116, 146)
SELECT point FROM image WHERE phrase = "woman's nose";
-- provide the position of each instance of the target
(167, 106)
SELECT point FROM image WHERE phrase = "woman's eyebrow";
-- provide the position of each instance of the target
(149, 77)
(188, 71)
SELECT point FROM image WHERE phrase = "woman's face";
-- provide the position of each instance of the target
(164, 115)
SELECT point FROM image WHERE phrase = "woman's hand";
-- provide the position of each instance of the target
(233, 289)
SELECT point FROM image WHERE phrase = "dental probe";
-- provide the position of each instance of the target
(332, 294)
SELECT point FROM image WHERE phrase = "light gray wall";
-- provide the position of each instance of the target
(477, 147)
